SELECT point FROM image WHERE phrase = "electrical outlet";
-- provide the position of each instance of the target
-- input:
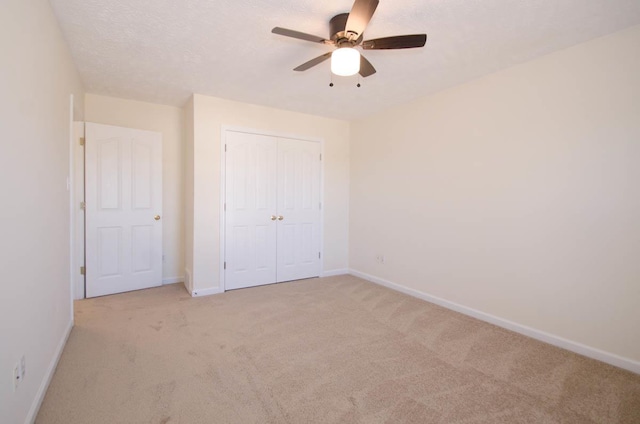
(23, 367)
(380, 259)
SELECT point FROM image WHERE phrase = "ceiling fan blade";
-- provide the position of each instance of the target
(359, 17)
(297, 34)
(366, 68)
(313, 62)
(397, 42)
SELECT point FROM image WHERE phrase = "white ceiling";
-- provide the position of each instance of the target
(163, 50)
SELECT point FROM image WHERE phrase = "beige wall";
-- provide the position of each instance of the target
(37, 76)
(169, 121)
(188, 195)
(515, 194)
(210, 114)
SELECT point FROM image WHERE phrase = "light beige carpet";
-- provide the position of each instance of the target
(331, 350)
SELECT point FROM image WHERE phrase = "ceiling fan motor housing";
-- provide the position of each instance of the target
(337, 26)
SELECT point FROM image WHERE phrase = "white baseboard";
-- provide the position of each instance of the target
(600, 355)
(207, 292)
(42, 390)
(172, 280)
(334, 272)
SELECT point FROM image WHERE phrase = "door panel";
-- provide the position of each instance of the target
(109, 252)
(109, 173)
(123, 171)
(142, 158)
(142, 245)
(250, 241)
(299, 205)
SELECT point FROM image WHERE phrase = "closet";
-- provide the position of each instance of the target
(271, 210)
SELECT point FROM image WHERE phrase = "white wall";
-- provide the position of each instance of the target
(210, 114)
(516, 194)
(169, 121)
(37, 76)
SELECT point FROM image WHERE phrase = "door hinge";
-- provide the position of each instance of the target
(320, 156)
(83, 206)
(225, 265)
(82, 270)
(225, 207)
(320, 205)
(319, 255)
(82, 141)
(225, 147)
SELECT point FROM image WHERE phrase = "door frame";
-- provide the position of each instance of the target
(223, 194)
(77, 219)
(77, 197)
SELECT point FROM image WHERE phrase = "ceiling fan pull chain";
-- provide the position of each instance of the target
(358, 85)
(331, 76)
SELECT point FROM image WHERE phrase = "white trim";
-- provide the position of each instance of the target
(223, 174)
(321, 188)
(334, 272)
(172, 280)
(77, 223)
(42, 390)
(207, 292)
(268, 133)
(72, 199)
(600, 355)
(223, 198)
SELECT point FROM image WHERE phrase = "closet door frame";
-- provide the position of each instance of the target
(223, 194)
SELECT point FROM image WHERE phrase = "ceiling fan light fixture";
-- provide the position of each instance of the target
(345, 61)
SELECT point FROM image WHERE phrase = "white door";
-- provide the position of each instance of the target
(298, 209)
(123, 183)
(250, 224)
(272, 210)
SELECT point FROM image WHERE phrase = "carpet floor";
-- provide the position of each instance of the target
(329, 350)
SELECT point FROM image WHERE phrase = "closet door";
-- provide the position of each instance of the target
(298, 210)
(250, 216)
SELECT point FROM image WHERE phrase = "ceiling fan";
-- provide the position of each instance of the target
(346, 32)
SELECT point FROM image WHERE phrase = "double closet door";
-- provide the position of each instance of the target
(272, 209)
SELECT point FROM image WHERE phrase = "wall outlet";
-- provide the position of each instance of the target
(380, 259)
(23, 367)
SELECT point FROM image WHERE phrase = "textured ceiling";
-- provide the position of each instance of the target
(163, 50)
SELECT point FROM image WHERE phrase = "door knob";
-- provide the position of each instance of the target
(280, 218)
(273, 217)
(157, 217)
